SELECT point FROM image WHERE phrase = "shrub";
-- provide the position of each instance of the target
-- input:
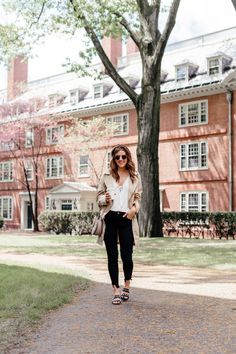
(67, 222)
(1, 222)
(217, 224)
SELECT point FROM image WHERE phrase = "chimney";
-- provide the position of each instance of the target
(131, 46)
(17, 77)
(112, 48)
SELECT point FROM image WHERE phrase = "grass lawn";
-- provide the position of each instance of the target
(172, 251)
(26, 295)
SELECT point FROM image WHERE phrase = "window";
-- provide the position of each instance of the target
(6, 208)
(214, 66)
(54, 167)
(194, 201)
(181, 73)
(54, 134)
(193, 113)
(77, 95)
(55, 99)
(108, 160)
(66, 204)
(7, 145)
(83, 166)
(29, 169)
(90, 206)
(47, 203)
(118, 124)
(29, 138)
(97, 91)
(193, 156)
(6, 171)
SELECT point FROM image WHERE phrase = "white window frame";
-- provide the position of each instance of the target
(184, 77)
(83, 165)
(9, 207)
(108, 160)
(29, 140)
(90, 206)
(7, 145)
(184, 112)
(50, 138)
(29, 169)
(185, 156)
(111, 121)
(59, 167)
(74, 99)
(214, 67)
(67, 202)
(9, 166)
(47, 202)
(97, 91)
(186, 206)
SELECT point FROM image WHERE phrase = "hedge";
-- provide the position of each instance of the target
(67, 222)
(1, 222)
(214, 224)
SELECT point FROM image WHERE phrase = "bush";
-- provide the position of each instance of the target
(218, 224)
(1, 222)
(67, 222)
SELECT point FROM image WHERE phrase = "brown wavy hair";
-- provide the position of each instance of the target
(130, 166)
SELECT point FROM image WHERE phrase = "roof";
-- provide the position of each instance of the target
(72, 187)
(196, 50)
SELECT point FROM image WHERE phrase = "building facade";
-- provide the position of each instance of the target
(197, 122)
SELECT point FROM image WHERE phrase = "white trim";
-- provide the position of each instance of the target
(200, 193)
(186, 105)
(58, 167)
(10, 167)
(85, 175)
(122, 116)
(199, 143)
(49, 136)
(10, 198)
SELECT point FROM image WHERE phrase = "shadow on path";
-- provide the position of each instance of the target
(150, 322)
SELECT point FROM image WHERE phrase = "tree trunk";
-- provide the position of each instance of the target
(148, 111)
(36, 223)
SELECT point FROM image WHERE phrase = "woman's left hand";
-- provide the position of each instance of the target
(130, 213)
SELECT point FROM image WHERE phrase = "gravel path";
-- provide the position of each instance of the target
(150, 322)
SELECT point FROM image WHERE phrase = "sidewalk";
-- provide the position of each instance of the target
(151, 322)
(184, 280)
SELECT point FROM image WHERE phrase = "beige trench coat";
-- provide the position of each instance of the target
(135, 191)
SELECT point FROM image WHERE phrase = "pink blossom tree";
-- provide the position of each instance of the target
(22, 137)
(86, 137)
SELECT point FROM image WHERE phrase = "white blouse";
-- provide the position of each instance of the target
(119, 196)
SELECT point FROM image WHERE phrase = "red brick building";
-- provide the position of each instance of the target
(197, 143)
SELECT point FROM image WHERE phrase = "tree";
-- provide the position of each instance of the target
(138, 19)
(85, 137)
(22, 138)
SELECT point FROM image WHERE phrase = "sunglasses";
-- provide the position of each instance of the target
(118, 157)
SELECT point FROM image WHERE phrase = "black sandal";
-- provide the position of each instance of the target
(125, 294)
(116, 300)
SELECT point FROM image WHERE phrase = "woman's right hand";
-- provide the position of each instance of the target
(108, 198)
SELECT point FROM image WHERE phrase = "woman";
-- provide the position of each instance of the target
(118, 196)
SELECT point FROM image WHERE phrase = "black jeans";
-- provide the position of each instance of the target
(119, 226)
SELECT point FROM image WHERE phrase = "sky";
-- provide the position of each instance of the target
(194, 18)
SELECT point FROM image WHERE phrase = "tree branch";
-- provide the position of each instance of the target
(167, 31)
(134, 35)
(39, 16)
(112, 72)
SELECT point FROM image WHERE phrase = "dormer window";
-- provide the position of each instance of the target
(101, 90)
(218, 63)
(55, 100)
(132, 81)
(185, 71)
(77, 95)
(181, 73)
